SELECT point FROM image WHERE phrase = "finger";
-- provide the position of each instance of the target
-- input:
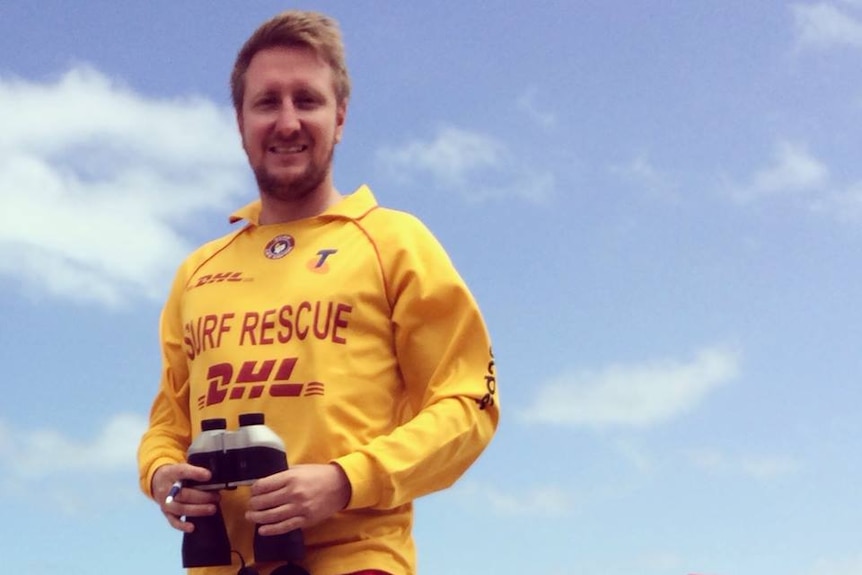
(282, 526)
(274, 515)
(169, 475)
(274, 482)
(177, 523)
(193, 472)
(191, 495)
(189, 510)
(269, 500)
(188, 496)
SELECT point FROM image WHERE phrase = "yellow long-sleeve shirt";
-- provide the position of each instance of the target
(355, 336)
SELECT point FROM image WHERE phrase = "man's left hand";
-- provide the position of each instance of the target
(299, 497)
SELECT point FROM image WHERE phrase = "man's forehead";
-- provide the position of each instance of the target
(288, 56)
(280, 63)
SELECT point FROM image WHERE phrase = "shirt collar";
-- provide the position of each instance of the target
(351, 207)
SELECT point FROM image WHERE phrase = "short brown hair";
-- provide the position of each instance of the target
(294, 28)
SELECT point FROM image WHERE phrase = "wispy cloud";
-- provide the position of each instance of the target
(797, 175)
(845, 205)
(452, 155)
(475, 165)
(539, 501)
(793, 171)
(50, 468)
(768, 467)
(96, 182)
(825, 24)
(641, 172)
(527, 104)
(636, 454)
(851, 565)
(632, 395)
(760, 467)
(661, 561)
(40, 453)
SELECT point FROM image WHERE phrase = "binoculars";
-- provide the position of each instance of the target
(236, 458)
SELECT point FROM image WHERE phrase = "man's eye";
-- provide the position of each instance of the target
(305, 102)
(266, 103)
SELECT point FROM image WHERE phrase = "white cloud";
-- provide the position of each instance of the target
(824, 25)
(844, 566)
(707, 459)
(97, 181)
(768, 467)
(761, 467)
(543, 501)
(632, 395)
(50, 469)
(451, 156)
(527, 104)
(41, 453)
(475, 165)
(540, 501)
(658, 561)
(798, 175)
(644, 174)
(793, 171)
(845, 205)
(636, 454)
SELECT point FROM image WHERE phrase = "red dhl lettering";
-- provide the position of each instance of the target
(219, 277)
(253, 380)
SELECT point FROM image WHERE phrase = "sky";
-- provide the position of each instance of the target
(656, 205)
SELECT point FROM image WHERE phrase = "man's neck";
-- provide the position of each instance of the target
(275, 211)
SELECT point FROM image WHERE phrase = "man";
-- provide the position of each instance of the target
(343, 322)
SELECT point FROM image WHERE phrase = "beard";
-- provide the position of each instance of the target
(291, 188)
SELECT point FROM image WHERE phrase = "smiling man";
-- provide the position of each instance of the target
(342, 322)
(290, 117)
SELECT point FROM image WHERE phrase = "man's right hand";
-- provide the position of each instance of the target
(189, 502)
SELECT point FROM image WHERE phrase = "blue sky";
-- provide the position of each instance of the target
(657, 206)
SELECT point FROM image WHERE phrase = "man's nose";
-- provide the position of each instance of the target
(287, 121)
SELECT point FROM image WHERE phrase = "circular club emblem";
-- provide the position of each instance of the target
(278, 247)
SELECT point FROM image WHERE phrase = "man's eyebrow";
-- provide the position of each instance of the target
(266, 92)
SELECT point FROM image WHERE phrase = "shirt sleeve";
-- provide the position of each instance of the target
(167, 437)
(445, 358)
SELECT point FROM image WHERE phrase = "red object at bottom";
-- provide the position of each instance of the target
(368, 572)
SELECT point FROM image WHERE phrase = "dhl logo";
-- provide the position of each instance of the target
(220, 278)
(253, 379)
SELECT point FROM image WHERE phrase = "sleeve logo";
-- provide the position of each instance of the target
(487, 400)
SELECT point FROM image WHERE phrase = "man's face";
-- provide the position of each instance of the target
(290, 121)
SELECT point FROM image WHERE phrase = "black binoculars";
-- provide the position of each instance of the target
(236, 458)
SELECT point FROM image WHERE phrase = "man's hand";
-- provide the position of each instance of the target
(300, 497)
(188, 502)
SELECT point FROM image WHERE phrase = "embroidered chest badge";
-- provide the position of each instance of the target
(279, 246)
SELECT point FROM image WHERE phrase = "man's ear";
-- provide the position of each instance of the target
(239, 125)
(340, 117)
